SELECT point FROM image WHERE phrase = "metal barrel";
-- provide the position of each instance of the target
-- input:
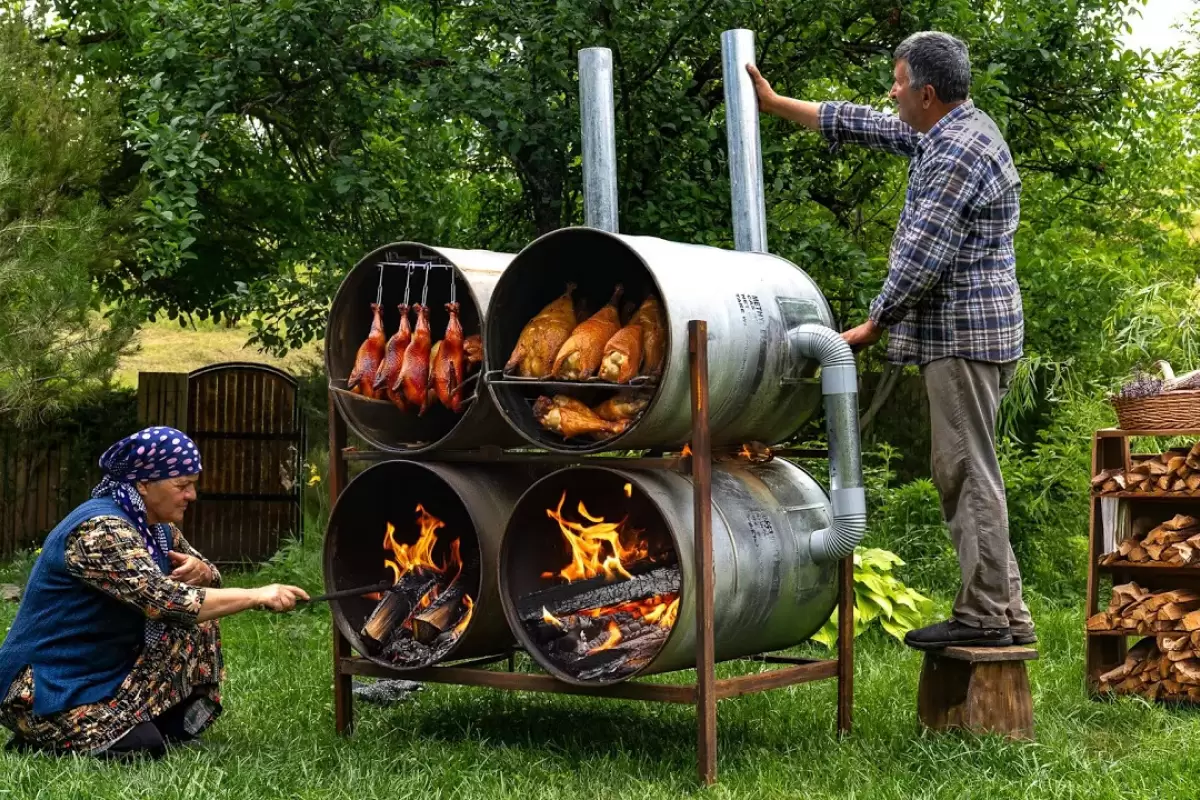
(769, 593)
(474, 501)
(377, 422)
(762, 388)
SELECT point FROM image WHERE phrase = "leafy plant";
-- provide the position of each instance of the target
(879, 597)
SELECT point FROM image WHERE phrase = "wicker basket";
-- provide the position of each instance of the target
(1174, 410)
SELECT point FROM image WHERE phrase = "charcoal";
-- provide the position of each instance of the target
(569, 598)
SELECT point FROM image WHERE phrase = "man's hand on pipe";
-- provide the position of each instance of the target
(863, 336)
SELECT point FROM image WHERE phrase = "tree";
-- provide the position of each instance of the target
(55, 234)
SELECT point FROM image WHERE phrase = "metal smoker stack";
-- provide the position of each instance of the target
(786, 548)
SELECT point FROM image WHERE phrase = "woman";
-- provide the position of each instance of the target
(116, 648)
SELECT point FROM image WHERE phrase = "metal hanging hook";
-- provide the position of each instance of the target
(407, 284)
(425, 288)
(453, 287)
(379, 289)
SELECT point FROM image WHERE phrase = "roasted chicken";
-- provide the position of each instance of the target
(580, 356)
(389, 369)
(622, 355)
(448, 364)
(368, 358)
(414, 372)
(621, 407)
(649, 318)
(570, 418)
(473, 347)
(542, 337)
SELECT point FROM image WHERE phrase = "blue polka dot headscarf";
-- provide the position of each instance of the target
(153, 454)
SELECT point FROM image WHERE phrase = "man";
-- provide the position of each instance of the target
(951, 305)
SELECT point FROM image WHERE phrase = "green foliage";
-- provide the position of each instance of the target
(55, 235)
(879, 597)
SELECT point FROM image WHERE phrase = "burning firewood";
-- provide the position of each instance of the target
(441, 615)
(599, 592)
(395, 608)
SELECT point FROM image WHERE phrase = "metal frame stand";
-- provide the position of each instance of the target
(707, 689)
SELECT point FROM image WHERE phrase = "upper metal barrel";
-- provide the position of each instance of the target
(745, 148)
(769, 594)
(465, 496)
(598, 125)
(377, 422)
(761, 389)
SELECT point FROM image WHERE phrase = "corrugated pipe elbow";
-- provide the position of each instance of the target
(839, 385)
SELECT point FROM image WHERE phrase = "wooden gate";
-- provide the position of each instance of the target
(246, 422)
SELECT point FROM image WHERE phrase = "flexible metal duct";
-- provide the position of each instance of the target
(380, 424)
(770, 593)
(474, 501)
(761, 389)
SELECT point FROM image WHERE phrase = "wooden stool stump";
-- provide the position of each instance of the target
(978, 689)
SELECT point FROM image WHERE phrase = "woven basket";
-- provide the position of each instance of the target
(1174, 410)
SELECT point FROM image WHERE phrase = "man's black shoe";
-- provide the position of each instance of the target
(952, 632)
(1025, 638)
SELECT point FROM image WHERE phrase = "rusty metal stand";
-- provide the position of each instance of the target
(707, 689)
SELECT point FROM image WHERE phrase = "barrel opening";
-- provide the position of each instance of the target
(595, 262)
(590, 576)
(400, 522)
(377, 420)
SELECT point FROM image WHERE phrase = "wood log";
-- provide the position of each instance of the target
(1178, 485)
(1136, 480)
(1138, 554)
(1172, 644)
(1177, 611)
(1180, 655)
(568, 598)
(1155, 551)
(1126, 547)
(1192, 482)
(1100, 622)
(395, 607)
(1099, 480)
(1190, 622)
(1188, 671)
(1176, 463)
(441, 615)
(1163, 483)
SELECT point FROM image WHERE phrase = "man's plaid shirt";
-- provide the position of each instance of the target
(951, 288)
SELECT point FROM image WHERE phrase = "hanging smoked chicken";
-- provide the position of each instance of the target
(414, 371)
(368, 358)
(580, 356)
(388, 372)
(448, 364)
(542, 337)
(649, 318)
(570, 418)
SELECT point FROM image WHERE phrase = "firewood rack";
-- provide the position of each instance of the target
(707, 688)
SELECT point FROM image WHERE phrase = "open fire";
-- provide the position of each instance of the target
(606, 612)
(429, 607)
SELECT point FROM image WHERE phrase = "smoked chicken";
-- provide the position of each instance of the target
(448, 364)
(542, 337)
(473, 347)
(570, 418)
(368, 358)
(580, 356)
(393, 358)
(654, 334)
(621, 407)
(414, 372)
(622, 355)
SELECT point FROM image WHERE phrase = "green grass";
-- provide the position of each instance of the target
(276, 739)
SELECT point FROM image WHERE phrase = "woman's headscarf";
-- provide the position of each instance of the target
(153, 454)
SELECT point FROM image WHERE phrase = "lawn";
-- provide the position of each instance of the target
(276, 739)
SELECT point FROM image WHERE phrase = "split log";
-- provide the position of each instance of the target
(397, 604)
(568, 598)
(1180, 522)
(1191, 622)
(1100, 622)
(442, 615)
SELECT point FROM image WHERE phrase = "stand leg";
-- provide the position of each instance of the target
(706, 697)
(343, 696)
(845, 645)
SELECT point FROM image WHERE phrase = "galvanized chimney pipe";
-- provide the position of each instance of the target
(839, 377)
(598, 122)
(745, 149)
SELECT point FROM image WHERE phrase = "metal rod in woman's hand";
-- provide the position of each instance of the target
(361, 590)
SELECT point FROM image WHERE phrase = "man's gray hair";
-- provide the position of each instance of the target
(939, 60)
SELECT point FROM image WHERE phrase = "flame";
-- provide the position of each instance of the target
(661, 610)
(687, 451)
(466, 620)
(550, 619)
(745, 452)
(373, 596)
(409, 557)
(587, 543)
(611, 641)
(629, 490)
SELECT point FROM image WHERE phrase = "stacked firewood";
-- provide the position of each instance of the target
(1174, 543)
(1177, 471)
(1137, 610)
(1159, 668)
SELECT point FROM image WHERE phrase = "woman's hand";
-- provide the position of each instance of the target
(189, 569)
(280, 597)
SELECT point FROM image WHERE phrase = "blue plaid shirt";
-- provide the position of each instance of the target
(951, 288)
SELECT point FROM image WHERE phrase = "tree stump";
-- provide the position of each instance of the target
(978, 689)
